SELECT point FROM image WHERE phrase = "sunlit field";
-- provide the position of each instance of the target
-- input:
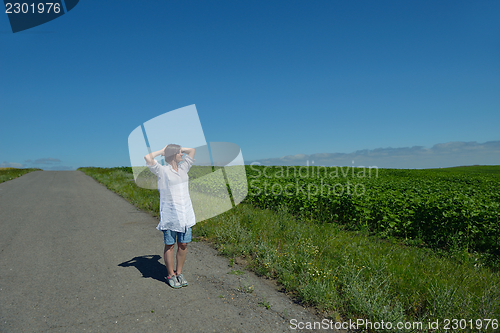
(370, 256)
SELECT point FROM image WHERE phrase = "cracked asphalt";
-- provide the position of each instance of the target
(76, 257)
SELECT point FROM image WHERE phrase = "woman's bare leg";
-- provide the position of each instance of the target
(181, 256)
(168, 255)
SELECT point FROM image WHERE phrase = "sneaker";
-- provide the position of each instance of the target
(172, 282)
(182, 280)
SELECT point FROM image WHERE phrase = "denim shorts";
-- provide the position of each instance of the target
(170, 236)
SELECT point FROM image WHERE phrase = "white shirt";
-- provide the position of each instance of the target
(176, 209)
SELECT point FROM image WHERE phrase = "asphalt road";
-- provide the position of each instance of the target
(75, 257)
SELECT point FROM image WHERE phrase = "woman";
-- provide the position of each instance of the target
(176, 210)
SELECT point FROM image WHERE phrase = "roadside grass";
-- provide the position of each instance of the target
(265, 303)
(349, 274)
(344, 274)
(11, 173)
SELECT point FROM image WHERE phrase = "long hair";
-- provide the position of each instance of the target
(170, 151)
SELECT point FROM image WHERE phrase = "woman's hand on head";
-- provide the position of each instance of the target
(163, 150)
(189, 151)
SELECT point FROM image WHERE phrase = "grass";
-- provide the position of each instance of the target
(246, 287)
(11, 173)
(346, 274)
(350, 274)
(264, 303)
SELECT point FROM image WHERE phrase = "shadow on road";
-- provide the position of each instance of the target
(149, 266)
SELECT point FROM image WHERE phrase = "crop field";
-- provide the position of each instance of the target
(454, 209)
(394, 245)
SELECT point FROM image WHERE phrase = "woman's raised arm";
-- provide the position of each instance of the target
(189, 151)
(150, 158)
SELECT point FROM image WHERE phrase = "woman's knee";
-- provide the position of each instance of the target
(182, 246)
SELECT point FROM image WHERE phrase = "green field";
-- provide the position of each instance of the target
(407, 249)
(454, 210)
(11, 173)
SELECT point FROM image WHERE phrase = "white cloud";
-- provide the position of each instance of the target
(440, 155)
(11, 165)
(47, 163)
(48, 160)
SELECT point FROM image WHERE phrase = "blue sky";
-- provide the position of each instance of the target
(279, 78)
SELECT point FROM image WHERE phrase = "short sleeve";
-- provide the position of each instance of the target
(187, 164)
(155, 168)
